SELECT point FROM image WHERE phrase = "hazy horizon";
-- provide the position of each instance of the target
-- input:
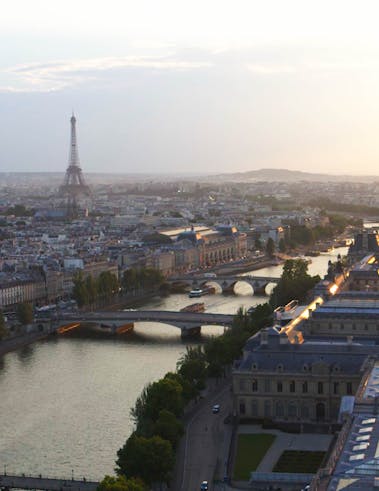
(200, 87)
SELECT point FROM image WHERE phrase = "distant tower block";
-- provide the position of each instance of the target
(74, 184)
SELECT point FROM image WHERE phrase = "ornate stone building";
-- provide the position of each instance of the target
(285, 382)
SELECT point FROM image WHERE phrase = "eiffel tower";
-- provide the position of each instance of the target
(74, 184)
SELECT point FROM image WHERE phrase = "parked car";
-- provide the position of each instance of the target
(204, 486)
(216, 408)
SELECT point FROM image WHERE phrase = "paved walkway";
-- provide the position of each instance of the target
(286, 441)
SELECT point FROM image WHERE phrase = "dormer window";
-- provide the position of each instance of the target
(305, 368)
(280, 367)
(254, 366)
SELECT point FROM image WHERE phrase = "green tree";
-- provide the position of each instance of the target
(189, 391)
(168, 427)
(91, 288)
(142, 279)
(107, 285)
(193, 367)
(282, 245)
(129, 280)
(294, 283)
(25, 313)
(151, 459)
(120, 483)
(270, 247)
(166, 394)
(80, 292)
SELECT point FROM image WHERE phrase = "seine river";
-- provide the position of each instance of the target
(65, 402)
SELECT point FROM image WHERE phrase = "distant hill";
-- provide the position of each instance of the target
(281, 175)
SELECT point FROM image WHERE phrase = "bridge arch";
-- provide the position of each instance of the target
(243, 287)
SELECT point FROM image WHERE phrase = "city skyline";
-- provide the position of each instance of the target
(191, 88)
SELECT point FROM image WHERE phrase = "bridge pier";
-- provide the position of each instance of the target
(190, 332)
(260, 290)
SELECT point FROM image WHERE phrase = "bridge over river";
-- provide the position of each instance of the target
(189, 322)
(226, 283)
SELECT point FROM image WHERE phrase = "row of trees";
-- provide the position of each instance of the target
(149, 453)
(306, 236)
(141, 279)
(88, 291)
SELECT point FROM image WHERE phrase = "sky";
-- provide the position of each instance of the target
(190, 86)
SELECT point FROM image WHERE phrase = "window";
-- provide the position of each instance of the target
(242, 384)
(279, 409)
(305, 387)
(342, 326)
(349, 388)
(320, 388)
(336, 387)
(242, 407)
(254, 385)
(292, 410)
(292, 386)
(267, 409)
(254, 408)
(305, 412)
(279, 387)
(267, 385)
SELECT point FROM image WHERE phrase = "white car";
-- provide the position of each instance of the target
(216, 408)
(204, 486)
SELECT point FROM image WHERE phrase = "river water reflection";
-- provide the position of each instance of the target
(65, 402)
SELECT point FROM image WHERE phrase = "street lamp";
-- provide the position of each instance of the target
(5, 469)
(72, 474)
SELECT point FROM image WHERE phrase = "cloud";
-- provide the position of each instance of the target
(270, 69)
(58, 75)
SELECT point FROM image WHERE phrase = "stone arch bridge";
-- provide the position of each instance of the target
(188, 322)
(226, 283)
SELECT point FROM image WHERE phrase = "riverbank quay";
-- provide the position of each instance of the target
(17, 342)
(46, 483)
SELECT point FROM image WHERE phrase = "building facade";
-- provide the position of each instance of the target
(284, 382)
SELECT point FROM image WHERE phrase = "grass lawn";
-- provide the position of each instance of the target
(299, 461)
(250, 451)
